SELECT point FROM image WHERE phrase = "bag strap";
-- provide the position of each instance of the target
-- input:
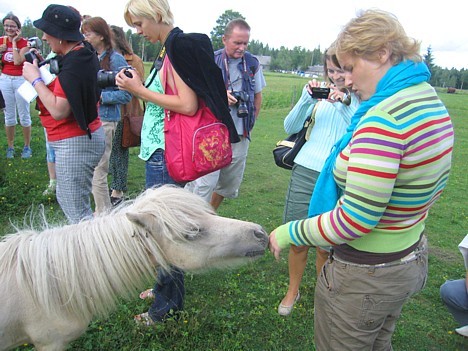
(310, 122)
(168, 73)
(158, 62)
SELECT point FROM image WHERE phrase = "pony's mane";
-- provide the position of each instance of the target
(82, 269)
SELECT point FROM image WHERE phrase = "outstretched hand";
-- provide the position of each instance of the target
(273, 245)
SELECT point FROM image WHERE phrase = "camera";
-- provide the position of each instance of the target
(346, 97)
(242, 99)
(35, 43)
(30, 56)
(106, 79)
(54, 66)
(320, 93)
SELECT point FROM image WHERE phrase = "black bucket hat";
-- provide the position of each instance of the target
(61, 22)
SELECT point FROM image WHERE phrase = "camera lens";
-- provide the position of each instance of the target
(242, 110)
(106, 78)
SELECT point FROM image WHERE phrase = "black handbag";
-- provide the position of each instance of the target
(286, 150)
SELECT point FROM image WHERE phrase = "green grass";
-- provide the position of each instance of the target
(236, 309)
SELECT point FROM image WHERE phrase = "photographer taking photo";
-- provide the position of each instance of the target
(244, 81)
(67, 109)
(97, 32)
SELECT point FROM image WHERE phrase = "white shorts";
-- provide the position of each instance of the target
(226, 181)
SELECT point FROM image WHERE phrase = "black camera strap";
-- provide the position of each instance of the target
(228, 82)
(157, 64)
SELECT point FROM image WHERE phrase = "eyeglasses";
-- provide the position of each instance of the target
(11, 27)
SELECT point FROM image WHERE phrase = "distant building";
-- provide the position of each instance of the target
(265, 62)
(315, 71)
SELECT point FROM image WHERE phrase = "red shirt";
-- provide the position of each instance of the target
(64, 128)
(9, 66)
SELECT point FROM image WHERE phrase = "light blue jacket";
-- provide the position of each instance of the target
(112, 97)
(331, 121)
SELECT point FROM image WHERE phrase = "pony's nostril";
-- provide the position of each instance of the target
(260, 234)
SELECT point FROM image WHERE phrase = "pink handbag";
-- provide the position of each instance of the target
(194, 145)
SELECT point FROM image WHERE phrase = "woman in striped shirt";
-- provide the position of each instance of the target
(376, 189)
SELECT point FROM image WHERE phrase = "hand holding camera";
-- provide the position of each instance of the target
(341, 95)
(32, 55)
(128, 79)
(107, 79)
(319, 90)
(242, 99)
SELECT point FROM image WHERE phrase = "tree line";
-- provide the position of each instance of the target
(295, 59)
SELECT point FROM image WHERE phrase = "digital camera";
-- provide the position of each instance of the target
(30, 56)
(242, 99)
(320, 93)
(106, 79)
(35, 43)
(54, 66)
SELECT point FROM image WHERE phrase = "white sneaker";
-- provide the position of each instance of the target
(50, 190)
(463, 331)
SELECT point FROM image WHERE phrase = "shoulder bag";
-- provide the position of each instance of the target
(132, 120)
(194, 145)
(287, 149)
(132, 112)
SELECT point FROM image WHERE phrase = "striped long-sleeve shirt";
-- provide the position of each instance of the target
(392, 172)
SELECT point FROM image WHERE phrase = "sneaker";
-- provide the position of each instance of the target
(10, 152)
(50, 191)
(27, 152)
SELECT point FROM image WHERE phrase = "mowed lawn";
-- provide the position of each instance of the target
(236, 309)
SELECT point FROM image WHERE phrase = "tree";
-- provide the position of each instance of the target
(464, 78)
(28, 30)
(429, 60)
(218, 31)
(317, 57)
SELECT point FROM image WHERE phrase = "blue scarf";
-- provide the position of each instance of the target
(405, 74)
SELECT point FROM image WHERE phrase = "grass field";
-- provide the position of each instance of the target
(236, 309)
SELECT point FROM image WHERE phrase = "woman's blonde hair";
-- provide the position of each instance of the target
(373, 30)
(158, 10)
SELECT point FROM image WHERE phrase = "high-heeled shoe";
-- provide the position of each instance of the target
(286, 310)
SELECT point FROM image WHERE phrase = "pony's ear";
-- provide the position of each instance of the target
(145, 220)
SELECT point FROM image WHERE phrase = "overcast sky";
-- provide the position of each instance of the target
(296, 22)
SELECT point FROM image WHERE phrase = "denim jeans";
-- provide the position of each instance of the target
(169, 293)
(169, 290)
(156, 170)
(455, 297)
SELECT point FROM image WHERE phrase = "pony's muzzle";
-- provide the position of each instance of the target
(262, 238)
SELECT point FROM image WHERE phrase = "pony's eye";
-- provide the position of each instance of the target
(192, 233)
